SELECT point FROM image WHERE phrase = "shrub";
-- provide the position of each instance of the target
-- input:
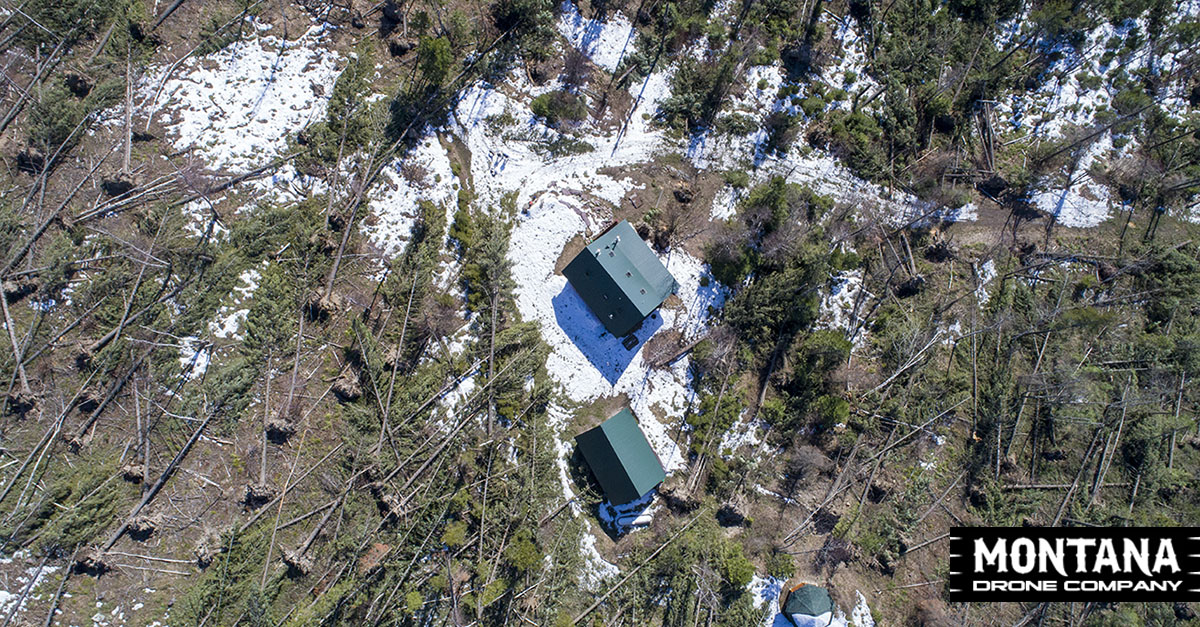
(854, 137)
(698, 90)
(564, 146)
(217, 33)
(455, 534)
(558, 106)
(736, 570)
(781, 132)
(738, 124)
(59, 118)
(1089, 81)
(522, 552)
(435, 59)
(736, 178)
(765, 56)
(79, 19)
(413, 601)
(780, 565)
(347, 126)
(529, 25)
(812, 105)
(462, 230)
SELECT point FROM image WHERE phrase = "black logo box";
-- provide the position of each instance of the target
(965, 584)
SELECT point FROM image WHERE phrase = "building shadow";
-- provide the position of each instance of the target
(605, 352)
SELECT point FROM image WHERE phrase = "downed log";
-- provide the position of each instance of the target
(683, 350)
(1056, 486)
(162, 480)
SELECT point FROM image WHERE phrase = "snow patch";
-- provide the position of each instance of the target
(984, 275)
(606, 43)
(628, 516)
(194, 356)
(596, 568)
(766, 590)
(838, 309)
(231, 318)
(424, 174)
(861, 616)
(1082, 202)
(27, 579)
(237, 106)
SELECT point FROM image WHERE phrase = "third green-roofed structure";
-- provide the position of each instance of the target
(808, 605)
(621, 458)
(620, 278)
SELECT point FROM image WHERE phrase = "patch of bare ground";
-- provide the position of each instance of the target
(673, 199)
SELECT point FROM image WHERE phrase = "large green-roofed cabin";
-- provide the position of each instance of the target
(621, 458)
(620, 278)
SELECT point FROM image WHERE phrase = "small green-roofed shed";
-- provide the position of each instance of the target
(621, 458)
(620, 278)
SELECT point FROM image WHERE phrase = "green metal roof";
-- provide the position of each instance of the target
(808, 600)
(621, 458)
(620, 278)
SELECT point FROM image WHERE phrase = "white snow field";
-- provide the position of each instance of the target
(1082, 202)
(238, 106)
(424, 174)
(604, 42)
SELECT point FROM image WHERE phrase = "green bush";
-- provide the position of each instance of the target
(781, 132)
(80, 504)
(563, 146)
(435, 59)
(736, 570)
(348, 126)
(43, 23)
(455, 534)
(737, 124)
(780, 565)
(698, 90)
(765, 56)
(462, 230)
(522, 553)
(528, 25)
(739, 179)
(559, 106)
(855, 138)
(812, 105)
(218, 32)
(58, 118)
(1089, 81)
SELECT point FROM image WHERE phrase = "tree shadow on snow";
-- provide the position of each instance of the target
(599, 346)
